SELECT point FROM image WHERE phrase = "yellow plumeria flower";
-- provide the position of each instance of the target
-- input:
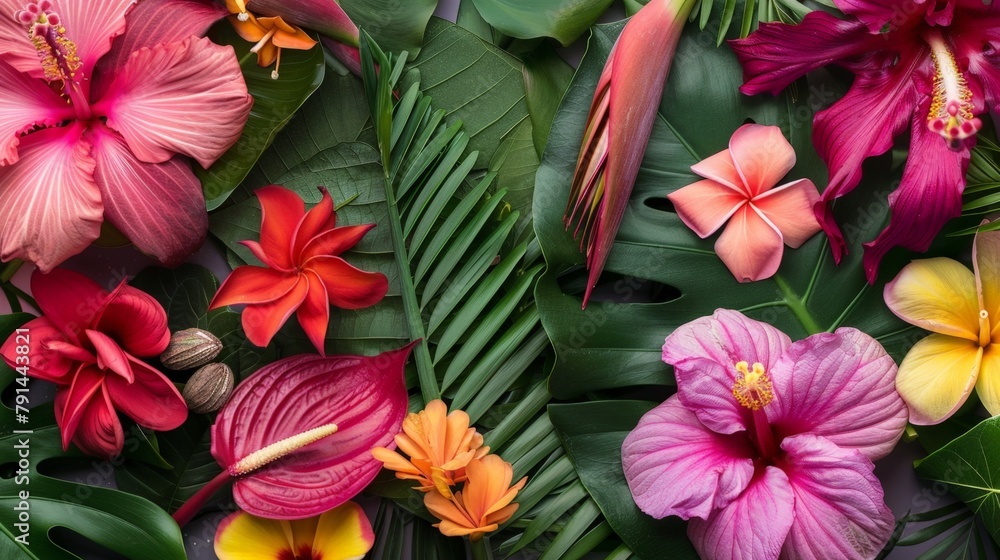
(343, 533)
(962, 310)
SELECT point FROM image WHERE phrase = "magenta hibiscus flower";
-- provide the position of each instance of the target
(767, 446)
(927, 67)
(93, 110)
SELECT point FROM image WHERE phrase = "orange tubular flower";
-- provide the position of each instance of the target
(439, 447)
(482, 505)
(270, 33)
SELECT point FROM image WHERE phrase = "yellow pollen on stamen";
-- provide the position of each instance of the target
(279, 449)
(752, 388)
(56, 52)
(951, 110)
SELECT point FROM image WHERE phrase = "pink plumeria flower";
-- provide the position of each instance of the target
(738, 188)
(767, 446)
(95, 108)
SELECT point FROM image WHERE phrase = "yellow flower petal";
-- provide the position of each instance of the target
(242, 536)
(936, 377)
(988, 383)
(986, 260)
(344, 533)
(938, 295)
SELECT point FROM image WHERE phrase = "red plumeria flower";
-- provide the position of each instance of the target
(88, 342)
(303, 270)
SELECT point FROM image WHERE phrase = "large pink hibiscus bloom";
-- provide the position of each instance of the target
(95, 109)
(767, 446)
(925, 67)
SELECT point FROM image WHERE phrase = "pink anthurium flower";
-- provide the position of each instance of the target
(303, 270)
(767, 446)
(88, 342)
(739, 189)
(927, 68)
(343, 533)
(618, 128)
(94, 113)
(961, 308)
(295, 438)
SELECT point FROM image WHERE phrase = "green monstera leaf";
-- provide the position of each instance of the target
(563, 20)
(617, 343)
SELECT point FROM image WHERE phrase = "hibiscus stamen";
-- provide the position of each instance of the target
(752, 388)
(951, 113)
(279, 449)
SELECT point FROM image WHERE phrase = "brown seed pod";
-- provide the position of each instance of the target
(209, 388)
(190, 348)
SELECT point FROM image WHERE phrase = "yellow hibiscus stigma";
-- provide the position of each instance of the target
(752, 388)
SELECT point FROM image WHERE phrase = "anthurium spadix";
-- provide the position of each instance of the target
(618, 127)
(97, 110)
(295, 438)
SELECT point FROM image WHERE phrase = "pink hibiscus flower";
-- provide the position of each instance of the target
(88, 342)
(767, 446)
(94, 109)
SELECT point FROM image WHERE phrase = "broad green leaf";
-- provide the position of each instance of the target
(473, 81)
(274, 104)
(563, 20)
(656, 257)
(398, 25)
(546, 78)
(187, 450)
(470, 19)
(592, 435)
(970, 466)
(185, 292)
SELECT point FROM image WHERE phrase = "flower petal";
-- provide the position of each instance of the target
(70, 300)
(92, 26)
(252, 285)
(790, 208)
(840, 509)
(929, 194)
(874, 14)
(319, 218)
(281, 212)
(86, 383)
(262, 320)
(344, 533)
(50, 207)
(721, 169)
(152, 400)
(777, 54)
(314, 313)
(750, 246)
(845, 136)
(364, 396)
(325, 16)
(936, 377)
(25, 103)
(136, 321)
(938, 295)
(150, 23)
(15, 47)
(333, 242)
(185, 97)
(840, 386)
(752, 527)
(454, 521)
(160, 207)
(43, 363)
(988, 382)
(346, 286)
(110, 356)
(674, 465)
(706, 205)
(100, 432)
(704, 353)
(762, 156)
(986, 264)
(241, 536)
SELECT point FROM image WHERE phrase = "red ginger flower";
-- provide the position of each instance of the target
(88, 342)
(303, 270)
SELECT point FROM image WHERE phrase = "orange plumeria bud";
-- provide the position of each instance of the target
(439, 445)
(483, 504)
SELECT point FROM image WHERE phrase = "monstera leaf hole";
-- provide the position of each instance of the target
(616, 287)
(81, 545)
(660, 203)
